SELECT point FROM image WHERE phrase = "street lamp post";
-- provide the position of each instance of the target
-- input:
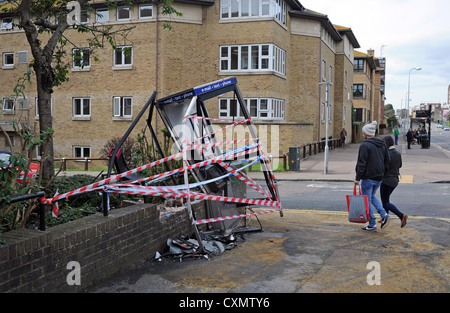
(409, 85)
(325, 161)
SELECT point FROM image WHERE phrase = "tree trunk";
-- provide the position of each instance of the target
(45, 77)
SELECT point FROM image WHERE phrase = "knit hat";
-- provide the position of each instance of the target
(370, 129)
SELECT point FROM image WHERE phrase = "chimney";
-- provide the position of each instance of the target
(371, 52)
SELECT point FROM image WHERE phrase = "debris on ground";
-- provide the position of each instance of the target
(183, 247)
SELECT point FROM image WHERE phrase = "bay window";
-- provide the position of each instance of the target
(260, 57)
(259, 108)
(243, 9)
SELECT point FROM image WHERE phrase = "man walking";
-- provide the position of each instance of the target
(372, 155)
(409, 137)
(396, 133)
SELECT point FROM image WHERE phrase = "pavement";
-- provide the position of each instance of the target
(311, 251)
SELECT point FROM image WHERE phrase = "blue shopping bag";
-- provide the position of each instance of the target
(358, 207)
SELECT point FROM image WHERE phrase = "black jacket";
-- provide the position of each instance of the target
(372, 156)
(392, 168)
(409, 136)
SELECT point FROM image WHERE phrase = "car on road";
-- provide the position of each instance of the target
(446, 128)
(5, 162)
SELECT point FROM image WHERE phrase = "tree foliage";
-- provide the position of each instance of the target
(389, 112)
(45, 23)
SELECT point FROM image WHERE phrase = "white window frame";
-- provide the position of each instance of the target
(252, 58)
(82, 114)
(4, 59)
(280, 11)
(145, 7)
(8, 105)
(120, 107)
(253, 9)
(122, 65)
(80, 66)
(7, 24)
(102, 16)
(82, 151)
(258, 108)
(123, 9)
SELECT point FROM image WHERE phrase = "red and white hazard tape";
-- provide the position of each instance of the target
(115, 178)
(183, 191)
(171, 193)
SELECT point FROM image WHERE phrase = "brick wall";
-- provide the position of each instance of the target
(37, 261)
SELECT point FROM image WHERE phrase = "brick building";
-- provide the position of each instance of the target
(278, 50)
(368, 91)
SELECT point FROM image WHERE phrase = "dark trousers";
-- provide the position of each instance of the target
(409, 144)
(385, 193)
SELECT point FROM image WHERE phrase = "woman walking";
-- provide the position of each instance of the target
(390, 180)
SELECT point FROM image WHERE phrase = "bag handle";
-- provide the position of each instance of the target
(354, 190)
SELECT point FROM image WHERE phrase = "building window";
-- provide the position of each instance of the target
(81, 107)
(123, 14)
(81, 58)
(145, 11)
(358, 90)
(324, 70)
(8, 59)
(122, 107)
(359, 115)
(22, 57)
(11, 138)
(8, 105)
(84, 17)
(245, 58)
(244, 9)
(280, 11)
(259, 108)
(123, 56)
(359, 65)
(7, 24)
(81, 152)
(102, 16)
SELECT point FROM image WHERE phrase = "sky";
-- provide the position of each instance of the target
(409, 34)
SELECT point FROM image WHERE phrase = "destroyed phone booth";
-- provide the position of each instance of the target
(222, 176)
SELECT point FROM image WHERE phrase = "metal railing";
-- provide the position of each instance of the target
(40, 194)
(311, 148)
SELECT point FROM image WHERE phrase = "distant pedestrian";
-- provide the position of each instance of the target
(372, 156)
(396, 133)
(343, 136)
(409, 137)
(391, 180)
